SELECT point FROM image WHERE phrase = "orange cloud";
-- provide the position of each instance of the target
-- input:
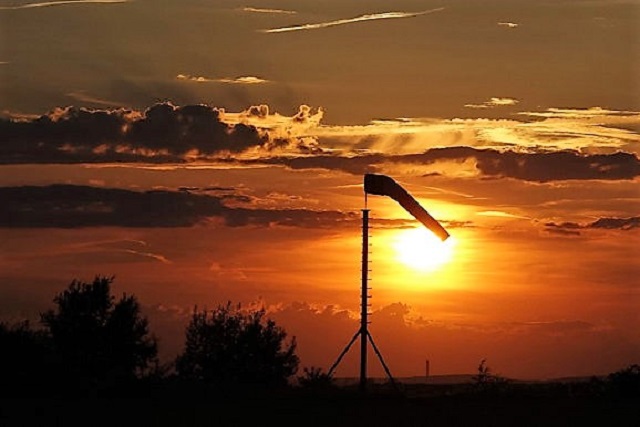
(70, 206)
(246, 80)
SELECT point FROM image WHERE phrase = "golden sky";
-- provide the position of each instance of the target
(210, 151)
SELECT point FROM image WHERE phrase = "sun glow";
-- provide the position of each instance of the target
(421, 250)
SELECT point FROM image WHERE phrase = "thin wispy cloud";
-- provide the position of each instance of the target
(247, 80)
(585, 113)
(361, 18)
(149, 255)
(88, 99)
(59, 3)
(500, 214)
(262, 10)
(197, 79)
(494, 102)
(508, 24)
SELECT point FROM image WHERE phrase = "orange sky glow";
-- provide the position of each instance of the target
(204, 153)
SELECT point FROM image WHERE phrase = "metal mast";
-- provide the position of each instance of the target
(364, 309)
(363, 332)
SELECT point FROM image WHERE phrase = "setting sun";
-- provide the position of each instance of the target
(420, 249)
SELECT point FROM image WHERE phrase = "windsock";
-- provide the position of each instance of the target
(382, 185)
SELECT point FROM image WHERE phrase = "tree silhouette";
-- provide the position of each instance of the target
(486, 380)
(96, 339)
(484, 373)
(25, 359)
(228, 346)
(626, 382)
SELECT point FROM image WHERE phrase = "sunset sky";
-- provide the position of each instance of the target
(202, 151)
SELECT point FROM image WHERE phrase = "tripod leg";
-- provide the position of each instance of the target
(384, 365)
(346, 349)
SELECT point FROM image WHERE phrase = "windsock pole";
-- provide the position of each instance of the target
(364, 300)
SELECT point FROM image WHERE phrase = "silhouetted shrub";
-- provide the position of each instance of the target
(626, 382)
(25, 359)
(228, 346)
(99, 341)
(315, 379)
(486, 380)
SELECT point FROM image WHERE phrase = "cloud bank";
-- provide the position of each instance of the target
(489, 163)
(70, 206)
(361, 18)
(162, 133)
(546, 150)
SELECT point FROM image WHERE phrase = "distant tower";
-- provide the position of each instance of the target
(426, 369)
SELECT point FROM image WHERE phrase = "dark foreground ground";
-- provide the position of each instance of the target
(561, 406)
(321, 412)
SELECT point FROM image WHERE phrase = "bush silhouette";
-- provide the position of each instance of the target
(315, 378)
(25, 359)
(98, 340)
(626, 382)
(228, 346)
(486, 380)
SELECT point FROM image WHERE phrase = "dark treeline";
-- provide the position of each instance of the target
(93, 344)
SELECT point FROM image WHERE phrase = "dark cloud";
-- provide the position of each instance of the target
(555, 166)
(162, 133)
(79, 206)
(206, 189)
(288, 217)
(562, 231)
(192, 127)
(616, 223)
(535, 167)
(573, 228)
(166, 133)
(68, 206)
(356, 165)
(222, 193)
